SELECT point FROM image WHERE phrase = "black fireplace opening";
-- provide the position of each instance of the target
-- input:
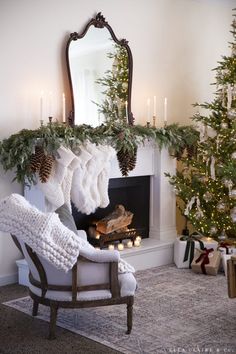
(133, 193)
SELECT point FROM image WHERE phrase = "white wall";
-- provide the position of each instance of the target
(175, 44)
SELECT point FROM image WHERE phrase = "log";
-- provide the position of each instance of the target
(116, 220)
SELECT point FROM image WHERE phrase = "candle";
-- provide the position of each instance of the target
(129, 244)
(126, 110)
(41, 105)
(136, 243)
(50, 104)
(148, 110)
(165, 111)
(120, 246)
(111, 247)
(63, 108)
(138, 238)
(154, 106)
(209, 239)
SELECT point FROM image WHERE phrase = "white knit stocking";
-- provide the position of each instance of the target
(52, 189)
(94, 167)
(103, 177)
(78, 190)
(67, 182)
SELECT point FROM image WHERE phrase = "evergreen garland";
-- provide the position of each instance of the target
(17, 151)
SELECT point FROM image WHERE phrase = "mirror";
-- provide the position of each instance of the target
(100, 75)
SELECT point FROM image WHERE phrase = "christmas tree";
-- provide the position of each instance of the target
(115, 81)
(206, 183)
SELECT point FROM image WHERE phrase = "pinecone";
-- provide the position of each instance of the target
(46, 168)
(132, 160)
(36, 159)
(127, 161)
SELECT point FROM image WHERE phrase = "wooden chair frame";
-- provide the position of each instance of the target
(112, 285)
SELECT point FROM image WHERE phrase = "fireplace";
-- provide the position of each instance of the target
(155, 216)
(133, 193)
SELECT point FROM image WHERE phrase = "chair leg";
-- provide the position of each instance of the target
(35, 308)
(53, 320)
(129, 316)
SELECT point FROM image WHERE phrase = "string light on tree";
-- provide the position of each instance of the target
(211, 175)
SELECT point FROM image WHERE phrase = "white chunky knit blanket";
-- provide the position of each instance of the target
(48, 237)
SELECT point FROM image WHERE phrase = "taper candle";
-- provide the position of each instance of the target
(63, 108)
(165, 111)
(154, 106)
(148, 111)
(41, 105)
(126, 110)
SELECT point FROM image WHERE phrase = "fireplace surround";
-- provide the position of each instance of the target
(152, 163)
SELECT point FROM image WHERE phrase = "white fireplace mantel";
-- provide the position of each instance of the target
(158, 248)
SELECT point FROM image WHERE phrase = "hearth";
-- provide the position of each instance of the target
(133, 193)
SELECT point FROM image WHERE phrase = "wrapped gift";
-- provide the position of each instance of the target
(206, 261)
(185, 247)
(227, 247)
(224, 258)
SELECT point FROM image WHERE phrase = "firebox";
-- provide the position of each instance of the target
(133, 193)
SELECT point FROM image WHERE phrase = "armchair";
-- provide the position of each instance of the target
(90, 283)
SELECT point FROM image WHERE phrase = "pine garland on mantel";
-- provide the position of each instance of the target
(18, 151)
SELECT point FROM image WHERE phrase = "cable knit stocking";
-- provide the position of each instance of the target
(67, 182)
(52, 189)
(103, 177)
(78, 190)
(94, 167)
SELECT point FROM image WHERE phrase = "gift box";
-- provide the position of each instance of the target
(185, 248)
(224, 258)
(227, 247)
(206, 261)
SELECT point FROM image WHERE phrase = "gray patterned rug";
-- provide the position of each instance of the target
(176, 311)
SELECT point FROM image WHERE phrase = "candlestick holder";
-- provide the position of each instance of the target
(50, 120)
(41, 122)
(154, 121)
(148, 124)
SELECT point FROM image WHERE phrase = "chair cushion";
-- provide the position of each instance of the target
(66, 217)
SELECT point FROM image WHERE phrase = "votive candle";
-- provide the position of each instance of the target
(120, 246)
(129, 244)
(111, 247)
(136, 243)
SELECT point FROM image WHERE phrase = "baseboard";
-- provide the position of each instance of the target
(8, 279)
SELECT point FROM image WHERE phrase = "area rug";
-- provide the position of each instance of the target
(175, 311)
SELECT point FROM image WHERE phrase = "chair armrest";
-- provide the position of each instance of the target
(82, 234)
(100, 256)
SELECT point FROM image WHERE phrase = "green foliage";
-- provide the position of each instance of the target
(206, 184)
(115, 83)
(15, 152)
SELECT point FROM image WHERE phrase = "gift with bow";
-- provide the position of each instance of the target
(207, 261)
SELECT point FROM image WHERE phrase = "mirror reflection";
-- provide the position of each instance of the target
(100, 74)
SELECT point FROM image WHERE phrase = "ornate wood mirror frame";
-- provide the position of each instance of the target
(98, 22)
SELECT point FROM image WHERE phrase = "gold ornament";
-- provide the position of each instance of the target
(207, 196)
(221, 207)
(232, 194)
(233, 155)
